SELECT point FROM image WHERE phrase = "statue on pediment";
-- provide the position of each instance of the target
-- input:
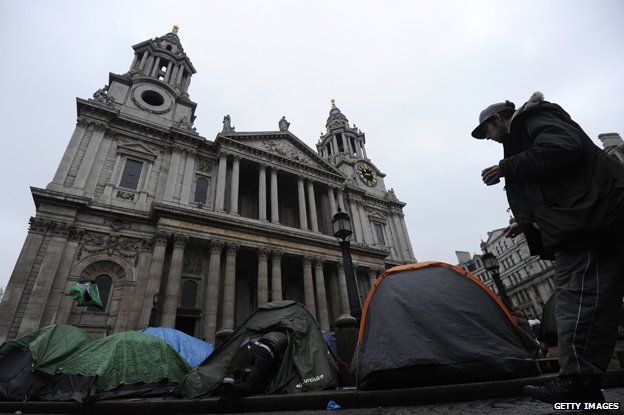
(227, 125)
(283, 124)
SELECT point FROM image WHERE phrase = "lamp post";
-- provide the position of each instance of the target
(341, 224)
(152, 320)
(491, 264)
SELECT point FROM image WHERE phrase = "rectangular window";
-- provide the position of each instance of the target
(131, 174)
(341, 145)
(379, 234)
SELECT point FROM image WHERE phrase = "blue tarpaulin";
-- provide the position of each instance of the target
(193, 350)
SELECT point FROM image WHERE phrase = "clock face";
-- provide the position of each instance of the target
(367, 175)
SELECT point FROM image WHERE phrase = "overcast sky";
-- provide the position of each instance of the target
(412, 75)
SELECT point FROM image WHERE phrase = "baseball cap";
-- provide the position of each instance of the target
(487, 113)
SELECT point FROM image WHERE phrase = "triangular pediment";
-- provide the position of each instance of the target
(137, 149)
(285, 145)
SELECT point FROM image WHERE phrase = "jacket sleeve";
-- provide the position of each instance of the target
(556, 144)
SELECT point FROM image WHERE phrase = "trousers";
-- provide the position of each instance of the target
(589, 285)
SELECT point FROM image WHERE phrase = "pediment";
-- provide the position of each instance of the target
(287, 146)
(137, 149)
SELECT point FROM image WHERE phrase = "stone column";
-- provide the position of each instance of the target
(89, 158)
(168, 74)
(125, 306)
(276, 275)
(211, 304)
(143, 60)
(155, 68)
(134, 62)
(17, 282)
(358, 150)
(332, 201)
(321, 296)
(274, 201)
(341, 200)
(172, 176)
(263, 276)
(312, 207)
(170, 306)
(229, 287)
(407, 238)
(358, 235)
(303, 217)
(366, 226)
(154, 277)
(189, 175)
(220, 196)
(180, 73)
(41, 290)
(234, 186)
(342, 285)
(372, 276)
(68, 156)
(308, 285)
(262, 192)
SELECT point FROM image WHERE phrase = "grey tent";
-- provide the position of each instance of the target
(433, 323)
(306, 364)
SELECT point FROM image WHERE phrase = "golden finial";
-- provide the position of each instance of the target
(175, 29)
(333, 102)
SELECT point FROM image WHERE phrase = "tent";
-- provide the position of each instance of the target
(128, 364)
(433, 323)
(193, 350)
(29, 365)
(306, 365)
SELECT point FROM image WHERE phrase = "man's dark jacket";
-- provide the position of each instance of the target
(563, 190)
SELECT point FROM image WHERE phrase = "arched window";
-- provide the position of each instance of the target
(189, 294)
(201, 190)
(104, 283)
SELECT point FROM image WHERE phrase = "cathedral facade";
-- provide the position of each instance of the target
(181, 231)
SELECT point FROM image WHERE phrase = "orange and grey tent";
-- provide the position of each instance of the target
(434, 323)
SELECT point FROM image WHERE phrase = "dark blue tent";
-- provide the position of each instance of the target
(193, 350)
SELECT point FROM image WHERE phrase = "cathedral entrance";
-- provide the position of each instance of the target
(186, 324)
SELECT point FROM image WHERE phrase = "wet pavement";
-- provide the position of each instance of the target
(510, 406)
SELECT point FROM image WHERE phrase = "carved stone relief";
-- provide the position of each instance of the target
(124, 246)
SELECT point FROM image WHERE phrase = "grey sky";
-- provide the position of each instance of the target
(412, 75)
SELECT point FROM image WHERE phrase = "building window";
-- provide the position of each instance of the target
(379, 234)
(201, 190)
(341, 146)
(131, 174)
(104, 283)
(189, 294)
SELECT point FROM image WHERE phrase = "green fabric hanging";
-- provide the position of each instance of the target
(85, 293)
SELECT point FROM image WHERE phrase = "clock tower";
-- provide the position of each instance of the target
(344, 147)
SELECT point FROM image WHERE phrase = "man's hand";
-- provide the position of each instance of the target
(512, 230)
(491, 175)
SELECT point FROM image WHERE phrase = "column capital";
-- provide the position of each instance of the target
(307, 260)
(216, 245)
(277, 253)
(340, 266)
(274, 169)
(236, 158)
(179, 241)
(262, 166)
(263, 253)
(161, 238)
(318, 261)
(301, 178)
(232, 248)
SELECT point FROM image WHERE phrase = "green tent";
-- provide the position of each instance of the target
(127, 358)
(49, 346)
(306, 364)
(29, 366)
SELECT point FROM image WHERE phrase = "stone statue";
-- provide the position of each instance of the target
(283, 124)
(101, 95)
(185, 123)
(227, 125)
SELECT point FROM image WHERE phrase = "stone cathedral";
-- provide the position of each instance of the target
(144, 205)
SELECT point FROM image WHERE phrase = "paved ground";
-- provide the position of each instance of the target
(513, 406)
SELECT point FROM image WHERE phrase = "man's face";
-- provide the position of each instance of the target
(495, 128)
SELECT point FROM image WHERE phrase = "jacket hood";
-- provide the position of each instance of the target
(534, 101)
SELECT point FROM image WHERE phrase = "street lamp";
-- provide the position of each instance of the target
(341, 224)
(491, 264)
(152, 320)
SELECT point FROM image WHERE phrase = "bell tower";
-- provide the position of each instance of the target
(344, 147)
(156, 86)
